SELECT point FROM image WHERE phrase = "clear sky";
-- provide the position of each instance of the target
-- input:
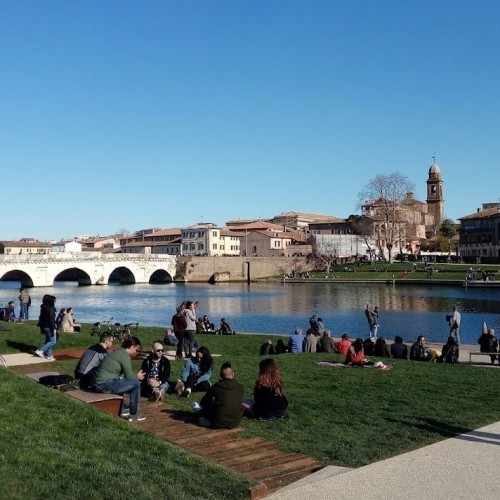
(132, 114)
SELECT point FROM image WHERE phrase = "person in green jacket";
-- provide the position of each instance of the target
(115, 376)
(222, 406)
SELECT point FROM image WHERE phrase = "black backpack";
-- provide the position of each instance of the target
(62, 382)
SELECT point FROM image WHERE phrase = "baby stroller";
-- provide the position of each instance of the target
(224, 328)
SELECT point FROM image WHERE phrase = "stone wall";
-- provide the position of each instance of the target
(218, 269)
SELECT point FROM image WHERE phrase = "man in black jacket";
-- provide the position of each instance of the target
(91, 359)
(157, 369)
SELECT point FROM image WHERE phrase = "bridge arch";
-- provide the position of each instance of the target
(123, 275)
(160, 276)
(18, 275)
(74, 274)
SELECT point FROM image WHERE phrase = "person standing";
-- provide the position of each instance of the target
(455, 324)
(190, 331)
(370, 318)
(376, 323)
(47, 325)
(25, 304)
(179, 324)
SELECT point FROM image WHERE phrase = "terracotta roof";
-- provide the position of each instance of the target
(164, 232)
(25, 244)
(225, 231)
(257, 226)
(304, 215)
(487, 212)
(139, 244)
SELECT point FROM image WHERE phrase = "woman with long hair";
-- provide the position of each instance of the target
(270, 402)
(195, 376)
(47, 325)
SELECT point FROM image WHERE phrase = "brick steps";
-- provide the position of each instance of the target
(257, 460)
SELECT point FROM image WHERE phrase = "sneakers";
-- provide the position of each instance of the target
(204, 422)
(186, 393)
(136, 418)
(157, 395)
(39, 353)
(195, 407)
(125, 413)
(50, 358)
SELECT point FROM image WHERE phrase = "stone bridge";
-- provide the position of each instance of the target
(94, 268)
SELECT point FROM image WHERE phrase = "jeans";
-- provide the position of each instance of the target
(23, 313)
(123, 386)
(189, 338)
(180, 340)
(50, 341)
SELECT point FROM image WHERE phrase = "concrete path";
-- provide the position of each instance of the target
(23, 358)
(463, 467)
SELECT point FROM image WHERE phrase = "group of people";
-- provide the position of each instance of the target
(65, 321)
(8, 312)
(223, 404)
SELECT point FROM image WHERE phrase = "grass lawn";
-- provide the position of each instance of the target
(341, 416)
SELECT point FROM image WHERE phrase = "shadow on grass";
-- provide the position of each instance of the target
(434, 426)
(21, 346)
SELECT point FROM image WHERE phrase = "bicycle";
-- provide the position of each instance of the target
(115, 330)
(127, 331)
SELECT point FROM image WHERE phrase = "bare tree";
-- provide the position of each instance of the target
(382, 199)
(327, 250)
(362, 227)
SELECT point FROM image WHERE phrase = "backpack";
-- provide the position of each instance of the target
(62, 382)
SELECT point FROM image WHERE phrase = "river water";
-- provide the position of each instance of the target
(276, 308)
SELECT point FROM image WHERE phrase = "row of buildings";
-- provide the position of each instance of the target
(411, 223)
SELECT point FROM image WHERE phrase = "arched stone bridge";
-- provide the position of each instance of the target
(94, 268)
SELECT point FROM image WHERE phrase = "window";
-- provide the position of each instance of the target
(200, 246)
(214, 246)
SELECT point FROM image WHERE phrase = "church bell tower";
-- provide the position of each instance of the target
(435, 197)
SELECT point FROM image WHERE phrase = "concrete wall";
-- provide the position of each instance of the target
(236, 268)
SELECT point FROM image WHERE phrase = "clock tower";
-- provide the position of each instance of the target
(435, 199)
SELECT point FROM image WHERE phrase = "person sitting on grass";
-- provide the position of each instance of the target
(311, 341)
(68, 324)
(356, 356)
(170, 338)
(269, 402)
(399, 350)
(156, 368)
(267, 348)
(222, 406)
(116, 376)
(326, 342)
(280, 348)
(296, 341)
(91, 359)
(450, 352)
(381, 350)
(418, 351)
(343, 344)
(195, 376)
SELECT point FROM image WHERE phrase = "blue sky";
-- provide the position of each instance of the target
(133, 114)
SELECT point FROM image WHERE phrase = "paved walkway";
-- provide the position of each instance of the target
(466, 466)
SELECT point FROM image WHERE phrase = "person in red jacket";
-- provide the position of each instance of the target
(343, 345)
(355, 354)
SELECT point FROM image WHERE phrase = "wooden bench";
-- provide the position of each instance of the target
(109, 403)
(477, 353)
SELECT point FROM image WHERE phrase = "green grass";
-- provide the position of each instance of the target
(341, 416)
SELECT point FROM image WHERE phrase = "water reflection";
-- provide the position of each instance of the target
(277, 308)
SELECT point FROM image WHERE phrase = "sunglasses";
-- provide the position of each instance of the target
(158, 350)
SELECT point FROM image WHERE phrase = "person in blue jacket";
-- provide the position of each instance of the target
(195, 376)
(296, 341)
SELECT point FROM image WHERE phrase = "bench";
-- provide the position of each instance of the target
(109, 403)
(477, 353)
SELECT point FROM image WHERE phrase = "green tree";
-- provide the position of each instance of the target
(448, 231)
